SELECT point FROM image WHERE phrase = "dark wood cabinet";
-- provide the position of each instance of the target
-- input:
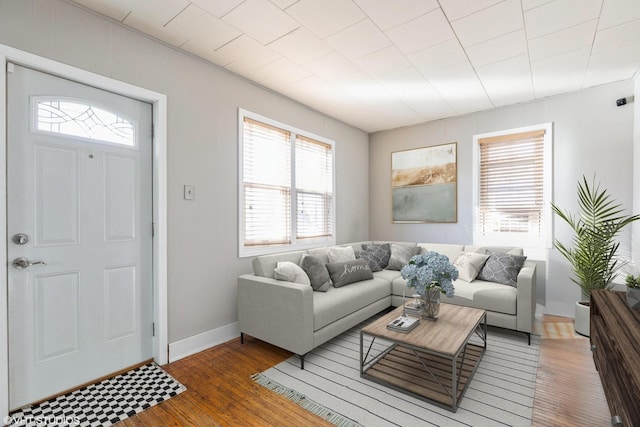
(615, 342)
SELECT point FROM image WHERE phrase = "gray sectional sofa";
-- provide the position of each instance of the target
(295, 317)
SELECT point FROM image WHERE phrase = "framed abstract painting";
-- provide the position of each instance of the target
(424, 184)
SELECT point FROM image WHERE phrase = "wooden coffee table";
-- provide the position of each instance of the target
(434, 361)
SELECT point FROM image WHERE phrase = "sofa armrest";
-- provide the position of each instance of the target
(275, 311)
(526, 298)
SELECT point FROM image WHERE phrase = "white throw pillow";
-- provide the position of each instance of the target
(341, 254)
(469, 265)
(291, 272)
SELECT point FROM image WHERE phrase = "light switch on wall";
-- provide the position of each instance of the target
(189, 192)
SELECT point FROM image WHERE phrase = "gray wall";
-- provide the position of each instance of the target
(202, 147)
(591, 135)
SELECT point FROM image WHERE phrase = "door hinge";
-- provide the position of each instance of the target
(153, 229)
(153, 132)
(153, 329)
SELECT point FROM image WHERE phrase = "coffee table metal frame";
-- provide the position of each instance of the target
(460, 357)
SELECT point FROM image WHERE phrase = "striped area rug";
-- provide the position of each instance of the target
(501, 392)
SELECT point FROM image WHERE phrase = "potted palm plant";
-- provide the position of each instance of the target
(593, 249)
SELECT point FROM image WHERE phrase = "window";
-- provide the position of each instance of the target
(513, 191)
(286, 187)
(80, 120)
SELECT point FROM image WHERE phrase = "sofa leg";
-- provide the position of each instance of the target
(529, 336)
(241, 337)
(301, 356)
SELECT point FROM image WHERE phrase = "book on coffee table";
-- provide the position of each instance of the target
(403, 324)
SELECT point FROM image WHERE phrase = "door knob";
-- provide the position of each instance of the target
(21, 263)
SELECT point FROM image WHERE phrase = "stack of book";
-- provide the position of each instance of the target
(413, 308)
(403, 324)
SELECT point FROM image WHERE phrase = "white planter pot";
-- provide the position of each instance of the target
(582, 319)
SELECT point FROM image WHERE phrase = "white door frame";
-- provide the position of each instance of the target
(159, 101)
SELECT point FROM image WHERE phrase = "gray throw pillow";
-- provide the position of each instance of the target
(502, 268)
(382, 253)
(370, 258)
(401, 255)
(343, 273)
(317, 272)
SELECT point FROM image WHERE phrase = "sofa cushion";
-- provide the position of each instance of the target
(291, 272)
(502, 268)
(381, 252)
(469, 265)
(343, 273)
(340, 254)
(488, 296)
(322, 253)
(317, 272)
(339, 302)
(451, 251)
(482, 249)
(401, 253)
(265, 265)
(389, 275)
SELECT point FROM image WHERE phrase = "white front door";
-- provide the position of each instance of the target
(79, 227)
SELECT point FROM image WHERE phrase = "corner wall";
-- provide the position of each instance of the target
(202, 150)
(591, 135)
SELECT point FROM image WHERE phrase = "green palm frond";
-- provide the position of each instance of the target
(592, 253)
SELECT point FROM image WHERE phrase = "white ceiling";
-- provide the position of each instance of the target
(382, 64)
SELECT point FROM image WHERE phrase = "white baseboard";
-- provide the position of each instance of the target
(197, 343)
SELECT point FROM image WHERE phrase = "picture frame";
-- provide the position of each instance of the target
(424, 184)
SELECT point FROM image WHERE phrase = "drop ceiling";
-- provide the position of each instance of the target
(383, 64)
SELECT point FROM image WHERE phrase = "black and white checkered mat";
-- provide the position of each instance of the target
(104, 403)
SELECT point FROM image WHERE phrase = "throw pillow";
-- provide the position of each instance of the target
(401, 255)
(372, 260)
(502, 268)
(291, 272)
(343, 273)
(317, 272)
(380, 252)
(469, 265)
(341, 254)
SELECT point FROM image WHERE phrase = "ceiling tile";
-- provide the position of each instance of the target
(421, 33)
(503, 18)
(388, 14)
(460, 87)
(283, 4)
(558, 15)
(360, 86)
(218, 8)
(456, 9)
(359, 40)
(559, 74)
(498, 49)
(563, 41)
(282, 72)
(114, 9)
(383, 62)
(199, 26)
(331, 66)
(613, 65)
(439, 56)
(261, 20)
(301, 46)
(507, 82)
(245, 50)
(530, 4)
(616, 37)
(326, 17)
(618, 12)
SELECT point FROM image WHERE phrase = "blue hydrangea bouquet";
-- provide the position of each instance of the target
(430, 271)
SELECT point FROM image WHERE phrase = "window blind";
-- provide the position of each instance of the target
(511, 188)
(266, 184)
(314, 188)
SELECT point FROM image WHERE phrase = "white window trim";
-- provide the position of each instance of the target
(513, 239)
(295, 244)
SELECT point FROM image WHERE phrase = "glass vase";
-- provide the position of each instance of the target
(431, 304)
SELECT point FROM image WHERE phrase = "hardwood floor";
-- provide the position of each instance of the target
(221, 393)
